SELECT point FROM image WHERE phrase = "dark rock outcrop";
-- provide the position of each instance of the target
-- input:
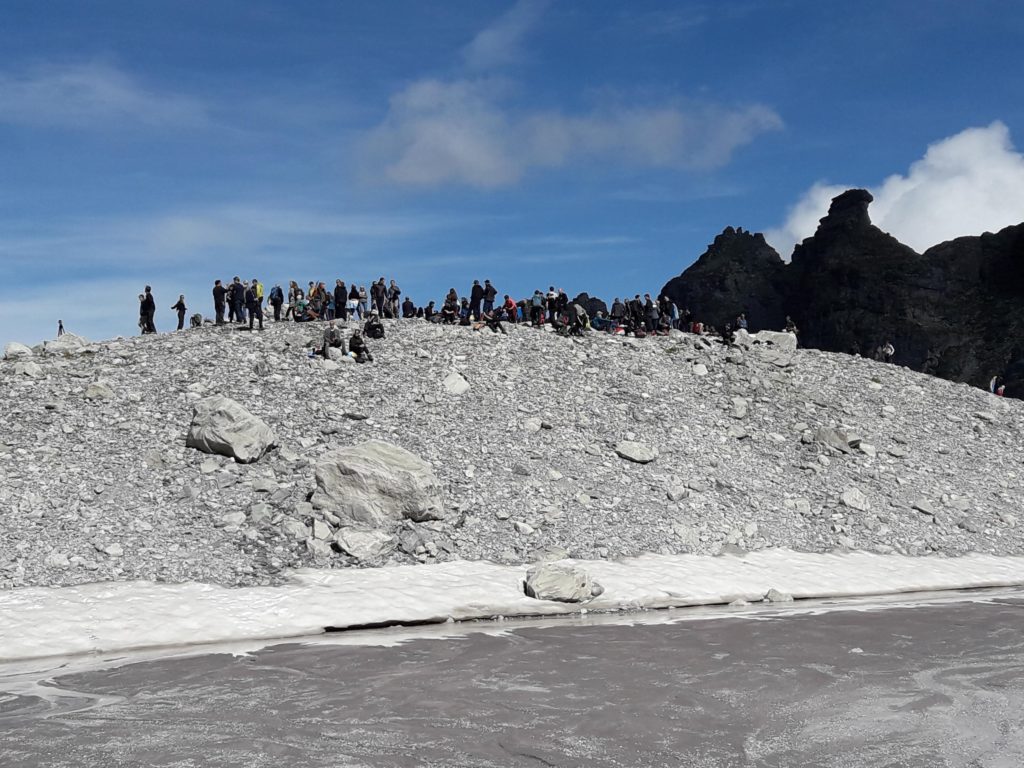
(592, 304)
(739, 272)
(955, 311)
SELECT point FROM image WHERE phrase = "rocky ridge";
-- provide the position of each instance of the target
(594, 448)
(953, 311)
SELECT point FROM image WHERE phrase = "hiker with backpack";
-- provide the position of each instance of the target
(276, 300)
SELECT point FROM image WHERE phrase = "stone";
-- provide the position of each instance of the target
(739, 408)
(67, 345)
(294, 529)
(677, 492)
(232, 519)
(455, 384)
(523, 528)
(854, 499)
(377, 484)
(639, 453)
(29, 369)
(833, 438)
(364, 544)
(775, 596)
(16, 351)
(222, 426)
(561, 583)
(532, 424)
(319, 549)
(923, 506)
(98, 391)
(321, 530)
(699, 369)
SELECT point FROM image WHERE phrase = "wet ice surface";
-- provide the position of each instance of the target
(937, 685)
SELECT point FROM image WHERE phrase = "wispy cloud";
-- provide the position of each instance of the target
(181, 239)
(90, 95)
(500, 43)
(966, 184)
(466, 132)
(471, 131)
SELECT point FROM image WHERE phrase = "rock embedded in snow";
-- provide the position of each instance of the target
(636, 452)
(455, 383)
(562, 583)
(222, 426)
(377, 484)
(775, 596)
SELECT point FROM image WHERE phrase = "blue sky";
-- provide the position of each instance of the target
(593, 145)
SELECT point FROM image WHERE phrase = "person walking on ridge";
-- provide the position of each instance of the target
(180, 309)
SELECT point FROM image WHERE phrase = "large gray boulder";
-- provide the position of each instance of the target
(68, 344)
(563, 583)
(377, 484)
(16, 351)
(222, 426)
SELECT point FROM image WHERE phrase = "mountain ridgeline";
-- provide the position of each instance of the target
(955, 311)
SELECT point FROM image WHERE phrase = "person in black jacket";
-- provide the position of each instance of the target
(180, 309)
(476, 297)
(374, 328)
(219, 295)
(490, 293)
(252, 303)
(340, 300)
(358, 347)
(408, 308)
(149, 310)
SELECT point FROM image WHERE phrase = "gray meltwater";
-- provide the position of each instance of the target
(938, 685)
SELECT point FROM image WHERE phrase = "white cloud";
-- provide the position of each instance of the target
(966, 184)
(466, 132)
(499, 44)
(90, 95)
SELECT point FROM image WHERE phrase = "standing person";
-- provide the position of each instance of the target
(476, 297)
(340, 300)
(537, 308)
(257, 286)
(219, 293)
(142, 313)
(294, 296)
(238, 300)
(490, 293)
(60, 328)
(552, 303)
(180, 309)
(378, 294)
(352, 305)
(651, 314)
(276, 300)
(394, 296)
(150, 305)
(363, 302)
(252, 303)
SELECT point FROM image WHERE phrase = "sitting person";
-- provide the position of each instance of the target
(358, 349)
(333, 337)
(602, 323)
(374, 328)
(450, 312)
(301, 311)
(578, 321)
(430, 314)
(408, 308)
(491, 320)
(465, 313)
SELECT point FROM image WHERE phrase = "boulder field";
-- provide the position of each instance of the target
(222, 456)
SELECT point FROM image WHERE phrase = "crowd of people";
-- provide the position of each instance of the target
(241, 302)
